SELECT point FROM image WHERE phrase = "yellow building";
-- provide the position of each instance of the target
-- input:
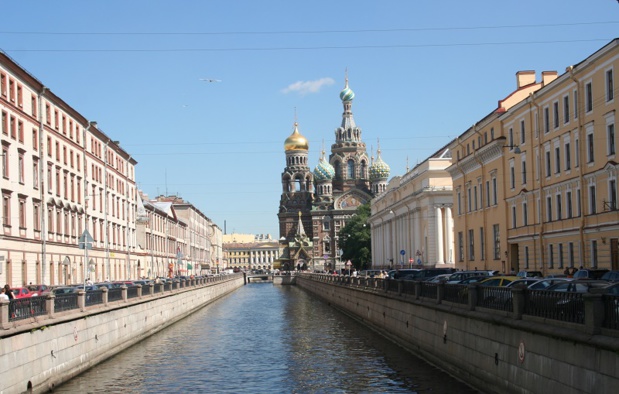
(535, 181)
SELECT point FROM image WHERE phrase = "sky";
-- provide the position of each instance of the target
(422, 73)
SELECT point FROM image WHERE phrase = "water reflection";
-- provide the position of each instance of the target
(265, 339)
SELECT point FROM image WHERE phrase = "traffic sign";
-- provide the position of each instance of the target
(85, 241)
(402, 252)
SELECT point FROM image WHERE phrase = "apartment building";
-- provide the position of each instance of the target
(535, 180)
(64, 181)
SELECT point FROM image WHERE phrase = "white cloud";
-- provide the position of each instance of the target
(306, 87)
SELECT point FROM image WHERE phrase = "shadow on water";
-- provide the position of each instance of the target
(265, 339)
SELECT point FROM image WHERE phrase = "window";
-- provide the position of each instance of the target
(592, 205)
(497, 241)
(588, 97)
(548, 169)
(495, 197)
(576, 149)
(560, 255)
(575, 104)
(20, 168)
(555, 114)
(525, 214)
(5, 123)
(459, 203)
(568, 160)
(566, 109)
(590, 152)
(20, 131)
(22, 212)
(460, 246)
(524, 172)
(568, 202)
(512, 176)
(610, 135)
(487, 193)
(526, 257)
(551, 256)
(523, 137)
(610, 94)
(549, 209)
(612, 194)
(36, 216)
(5, 161)
(557, 160)
(594, 253)
(351, 169)
(570, 253)
(35, 173)
(475, 197)
(514, 224)
(546, 120)
(578, 203)
(559, 207)
(6, 209)
(470, 201)
(471, 245)
(511, 138)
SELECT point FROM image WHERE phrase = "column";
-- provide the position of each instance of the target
(439, 236)
(449, 235)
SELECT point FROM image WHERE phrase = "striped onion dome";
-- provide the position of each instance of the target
(324, 171)
(379, 169)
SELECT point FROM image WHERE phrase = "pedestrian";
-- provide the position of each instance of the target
(8, 292)
(3, 296)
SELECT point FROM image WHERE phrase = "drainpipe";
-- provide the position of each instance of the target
(581, 228)
(542, 202)
(42, 168)
(105, 220)
(464, 195)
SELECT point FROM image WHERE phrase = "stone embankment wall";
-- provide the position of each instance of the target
(485, 349)
(46, 353)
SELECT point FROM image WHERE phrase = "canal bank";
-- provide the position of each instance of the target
(486, 349)
(39, 356)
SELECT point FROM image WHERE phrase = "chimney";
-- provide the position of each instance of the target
(524, 78)
(548, 76)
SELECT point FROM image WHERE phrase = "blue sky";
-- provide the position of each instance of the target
(422, 72)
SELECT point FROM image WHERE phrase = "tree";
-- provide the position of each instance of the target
(355, 239)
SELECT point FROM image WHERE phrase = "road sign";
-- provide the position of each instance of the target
(411, 260)
(402, 252)
(85, 241)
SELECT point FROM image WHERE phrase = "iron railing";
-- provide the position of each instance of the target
(65, 302)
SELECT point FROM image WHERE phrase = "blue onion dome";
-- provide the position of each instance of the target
(296, 141)
(324, 171)
(379, 169)
(347, 94)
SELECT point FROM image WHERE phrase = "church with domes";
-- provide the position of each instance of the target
(315, 205)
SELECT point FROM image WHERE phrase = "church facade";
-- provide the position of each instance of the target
(315, 205)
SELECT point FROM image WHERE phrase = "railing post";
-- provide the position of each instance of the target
(49, 305)
(81, 300)
(518, 302)
(417, 289)
(104, 296)
(440, 292)
(594, 312)
(4, 314)
(472, 296)
(124, 292)
(151, 289)
(139, 291)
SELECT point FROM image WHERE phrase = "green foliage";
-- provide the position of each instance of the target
(355, 239)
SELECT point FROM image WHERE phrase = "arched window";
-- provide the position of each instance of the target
(364, 170)
(336, 167)
(350, 173)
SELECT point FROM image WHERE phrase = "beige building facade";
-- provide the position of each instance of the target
(412, 221)
(535, 181)
(62, 177)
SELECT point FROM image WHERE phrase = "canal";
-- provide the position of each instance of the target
(265, 339)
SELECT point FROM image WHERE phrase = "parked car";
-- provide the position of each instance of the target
(498, 281)
(64, 290)
(611, 276)
(421, 274)
(543, 284)
(590, 273)
(442, 278)
(530, 274)
(472, 279)
(459, 276)
(369, 273)
(525, 282)
(612, 289)
(23, 292)
(578, 286)
(39, 289)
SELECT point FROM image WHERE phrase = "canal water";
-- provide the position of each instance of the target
(265, 339)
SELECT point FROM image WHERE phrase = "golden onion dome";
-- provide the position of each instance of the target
(296, 141)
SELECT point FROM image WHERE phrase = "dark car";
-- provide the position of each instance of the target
(577, 286)
(611, 276)
(421, 274)
(590, 273)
